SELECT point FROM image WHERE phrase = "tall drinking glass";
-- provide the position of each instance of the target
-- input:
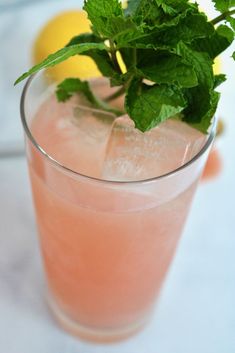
(106, 245)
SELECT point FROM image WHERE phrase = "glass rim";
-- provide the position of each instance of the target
(59, 165)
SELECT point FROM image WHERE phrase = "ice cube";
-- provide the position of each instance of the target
(74, 135)
(88, 140)
(132, 155)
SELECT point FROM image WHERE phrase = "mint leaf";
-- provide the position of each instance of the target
(198, 105)
(119, 26)
(173, 7)
(97, 9)
(219, 79)
(226, 32)
(223, 5)
(148, 106)
(201, 62)
(67, 88)
(103, 13)
(108, 18)
(168, 68)
(60, 56)
(84, 38)
(159, 12)
(215, 44)
(233, 56)
(211, 103)
(146, 11)
(193, 26)
(199, 98)
(231, 20)
(166, 7)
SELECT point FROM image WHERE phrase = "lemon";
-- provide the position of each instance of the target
(55, 35)
(217, 66)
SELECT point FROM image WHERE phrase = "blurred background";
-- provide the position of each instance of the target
(197, 310)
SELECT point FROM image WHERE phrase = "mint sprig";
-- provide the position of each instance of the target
(70, 86)
(168, 48)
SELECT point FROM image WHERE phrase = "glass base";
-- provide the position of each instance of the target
(95, 334)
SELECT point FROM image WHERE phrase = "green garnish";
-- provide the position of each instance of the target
(70, 86)
(168, 47)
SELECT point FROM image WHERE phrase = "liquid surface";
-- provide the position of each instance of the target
(99, 145)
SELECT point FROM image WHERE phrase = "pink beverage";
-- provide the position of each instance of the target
(111, 204)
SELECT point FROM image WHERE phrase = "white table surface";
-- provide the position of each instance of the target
(196, 312)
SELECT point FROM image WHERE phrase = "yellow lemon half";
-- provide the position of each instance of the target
(55, 35)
